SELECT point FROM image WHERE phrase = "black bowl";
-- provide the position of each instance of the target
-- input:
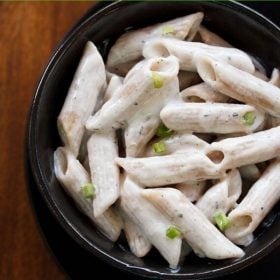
(239, 25)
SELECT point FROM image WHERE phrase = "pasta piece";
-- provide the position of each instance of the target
(138, 243)
(153, 223)
(222, 196)
(129, 46)
(250, 149)
(250, 172)
(213, 118)
(186, 52)
(212, 38)
(145, 80)
(114, 84)
(88, 82)
(204, 238)
(203, 93)
(239, 84)
(260, 199)
(187, 79)
(179, 142)
(72, 176)
(170, 169)
(275, 78)
(193, 190)
(142, 126)
(102, 151)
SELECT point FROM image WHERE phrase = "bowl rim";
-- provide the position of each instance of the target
(41, 184)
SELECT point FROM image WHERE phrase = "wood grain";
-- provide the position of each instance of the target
(29, 33)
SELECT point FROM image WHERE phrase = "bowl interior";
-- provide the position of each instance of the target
(241, 27)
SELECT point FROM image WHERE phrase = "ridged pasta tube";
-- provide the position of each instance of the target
(186, 52)
(212, 117)
(260, 199)
(204, 238)
(129, 46)
(138, 87)
(88, 82)
(239, 85)
(105, 174)
(72, 176)
(151, 221)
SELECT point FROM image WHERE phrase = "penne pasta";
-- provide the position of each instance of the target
(145, 80)
(142, 126)
(177, 143)
(145, 136)
(193, 190)
(105, 175)
(170, 169)
(221, 197)
(129, 46)
(211, 38)
(151, 221)
(72, 176)
(186, 52)
(239, 84)
(204, 238)
(138, 243)
(88, 82)
(213, 118)
(203, 93)
(275, 78)
(260, 199)
(113, 85)
(250, 149)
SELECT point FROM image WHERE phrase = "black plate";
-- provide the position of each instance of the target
(79, 263)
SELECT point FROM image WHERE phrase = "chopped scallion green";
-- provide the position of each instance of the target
(221, 220)
(159, 147)
(249, 118)
(88, 191)
(173, 232)
(157, 79)
(168, 29)
(163, 131)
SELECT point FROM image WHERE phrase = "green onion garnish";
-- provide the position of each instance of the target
(88, 191)
(157, 79)
(249, 118)
(221, 220)
(163, 131)
(159, 147)
(168, 29)
(173, 232)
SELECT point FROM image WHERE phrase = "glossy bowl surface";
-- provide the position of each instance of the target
(239, 25)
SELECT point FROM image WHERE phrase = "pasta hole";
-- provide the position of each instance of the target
(242, 222)
(160, 50)
(206, 70)
(216, 156)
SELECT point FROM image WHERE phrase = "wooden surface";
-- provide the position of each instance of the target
(29, 33)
